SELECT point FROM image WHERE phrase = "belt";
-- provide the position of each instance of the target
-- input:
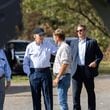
(82, 66)
(39, 69)
(2, 76)
(63, 74)
(66, 74)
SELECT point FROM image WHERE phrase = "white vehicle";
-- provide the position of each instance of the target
(19, 47)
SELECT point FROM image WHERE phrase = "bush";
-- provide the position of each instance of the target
(107, 54)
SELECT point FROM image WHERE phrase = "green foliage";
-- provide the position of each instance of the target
(19, 79)
(66, 14)
(104, 67)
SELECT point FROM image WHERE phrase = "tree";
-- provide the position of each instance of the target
(52, 14)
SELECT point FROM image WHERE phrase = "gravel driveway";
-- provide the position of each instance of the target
(18, 96)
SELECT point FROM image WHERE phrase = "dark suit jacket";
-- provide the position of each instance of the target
(93, 53)
(11, 61)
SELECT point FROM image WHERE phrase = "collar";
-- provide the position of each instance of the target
(39, 44)
(83, 40)
(60, 43)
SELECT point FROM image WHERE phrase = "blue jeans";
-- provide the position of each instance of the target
(63, 87)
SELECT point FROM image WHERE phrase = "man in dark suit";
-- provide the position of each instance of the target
(10, 54)
(86, 56)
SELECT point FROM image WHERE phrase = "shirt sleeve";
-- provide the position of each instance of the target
(53, 48)
(26, 62)
(66, 56)
(7, 68)
(99, 54)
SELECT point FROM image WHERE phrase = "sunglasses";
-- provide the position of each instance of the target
(81, 30)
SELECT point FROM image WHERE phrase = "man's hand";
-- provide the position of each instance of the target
(55, 81)
(8, 83)
(61, 72)
(92, 64)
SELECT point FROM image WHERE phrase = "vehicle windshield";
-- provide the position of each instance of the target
(19, 46)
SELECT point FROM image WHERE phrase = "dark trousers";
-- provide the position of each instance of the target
(2, 92)
(41, 81)
(77, 81)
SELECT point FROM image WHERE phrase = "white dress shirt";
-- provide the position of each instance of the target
(4, 66)
(12, 54)
(81, 51)
(38, 56)
(63, 56)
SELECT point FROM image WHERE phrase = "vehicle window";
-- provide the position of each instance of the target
(19, 46)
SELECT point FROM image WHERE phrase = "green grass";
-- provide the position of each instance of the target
(19, 78)
(104, 67)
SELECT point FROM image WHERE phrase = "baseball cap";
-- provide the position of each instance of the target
(39, 31)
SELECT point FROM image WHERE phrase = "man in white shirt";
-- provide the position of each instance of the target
(61, 68)
(86, 57)
(5, 72)
(36, 65)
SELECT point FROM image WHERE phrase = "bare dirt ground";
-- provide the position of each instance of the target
(18, 96)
